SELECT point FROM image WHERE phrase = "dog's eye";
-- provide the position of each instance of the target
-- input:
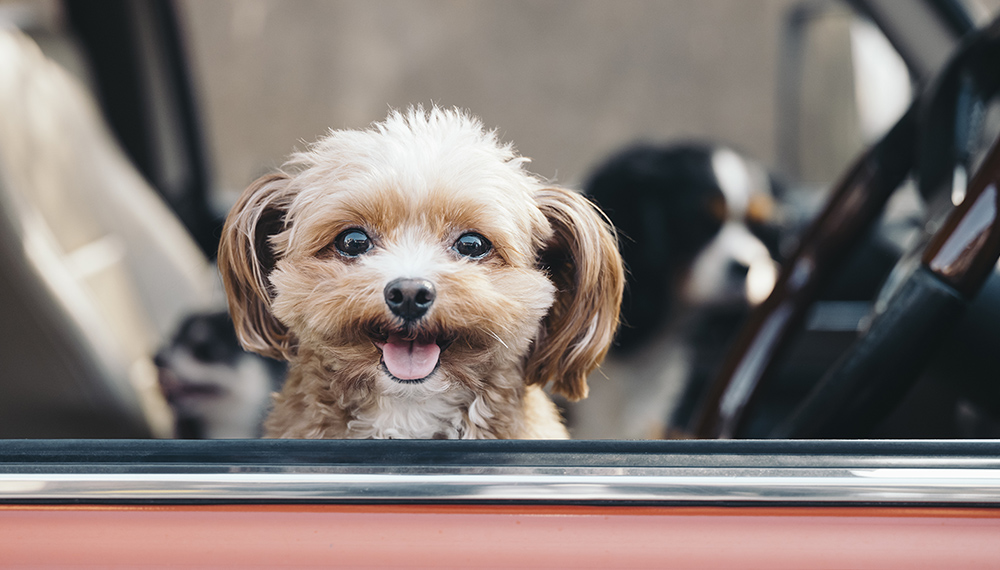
(472, 245)
(352, 242)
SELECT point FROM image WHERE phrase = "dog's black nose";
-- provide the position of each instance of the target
(738, 269)
(409, 298)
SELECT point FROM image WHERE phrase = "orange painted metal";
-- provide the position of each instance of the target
(394, 536)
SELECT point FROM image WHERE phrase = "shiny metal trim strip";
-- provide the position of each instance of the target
(898, 486)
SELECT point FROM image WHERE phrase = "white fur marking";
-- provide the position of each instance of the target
(415, 412)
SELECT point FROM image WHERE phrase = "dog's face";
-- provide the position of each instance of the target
(214, 387)
(419, 256)
(735, 266)
(691, 216)
(416, 274)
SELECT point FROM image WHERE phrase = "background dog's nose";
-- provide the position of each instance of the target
(738, 269)
(409, 298)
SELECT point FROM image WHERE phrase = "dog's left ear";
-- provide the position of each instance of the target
(583, 262)
(246, 259)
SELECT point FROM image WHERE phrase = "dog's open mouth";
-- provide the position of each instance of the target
(409, 360)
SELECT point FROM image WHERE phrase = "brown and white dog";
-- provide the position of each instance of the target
(421, 284)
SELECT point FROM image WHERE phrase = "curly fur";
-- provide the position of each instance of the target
(540, 309)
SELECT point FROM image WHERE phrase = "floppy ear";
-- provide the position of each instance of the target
(583, 262)
(246, 258)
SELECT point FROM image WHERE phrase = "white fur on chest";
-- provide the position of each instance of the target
(419, 416)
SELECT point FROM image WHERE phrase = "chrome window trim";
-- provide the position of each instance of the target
(650, 486)
(641, 473)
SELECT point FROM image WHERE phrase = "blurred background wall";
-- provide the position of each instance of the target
(568, 81)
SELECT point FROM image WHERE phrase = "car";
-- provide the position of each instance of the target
(852, 423)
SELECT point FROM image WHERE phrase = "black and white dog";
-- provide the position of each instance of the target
(215, 388)
(699, 237)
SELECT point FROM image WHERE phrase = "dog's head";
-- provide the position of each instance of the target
(214, 387)
(419, 254)
(696, 226)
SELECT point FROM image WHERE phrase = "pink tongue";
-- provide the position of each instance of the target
(410, 360)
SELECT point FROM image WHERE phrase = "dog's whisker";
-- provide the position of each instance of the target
(505, 329)
(507, 332)
(500, 340)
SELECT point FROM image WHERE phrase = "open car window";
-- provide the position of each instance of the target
(174, 108)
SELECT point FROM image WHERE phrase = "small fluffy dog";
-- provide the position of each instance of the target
(421, 284)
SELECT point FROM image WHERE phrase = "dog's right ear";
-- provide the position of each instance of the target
(246, 258)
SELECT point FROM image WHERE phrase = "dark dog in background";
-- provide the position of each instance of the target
(699, 238)
(216, 389)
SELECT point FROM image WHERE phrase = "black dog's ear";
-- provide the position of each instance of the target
(666, 204)
(628, 188)
(246, 258)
